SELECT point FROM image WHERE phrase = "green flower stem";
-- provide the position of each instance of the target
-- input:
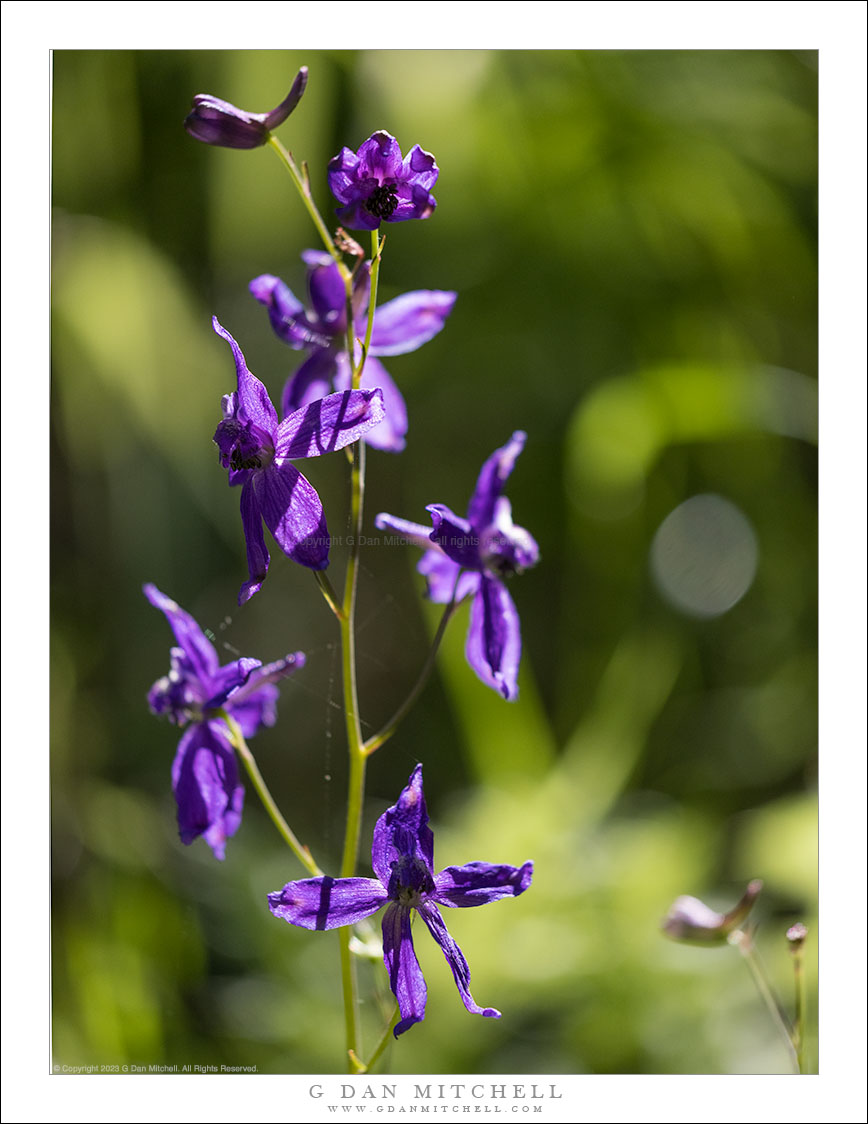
(365, 1067)
(376, 253)
(358, 758)
(302, 184)
(799, 978)
(351, 1006)
(301, 853)
(357, 368)
(743, 941)
(355, 741)
(327, 590)
(373, 743)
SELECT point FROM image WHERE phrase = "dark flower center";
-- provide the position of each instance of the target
(382, 201)
(411, 881)
(242, 446)
(178, 694)
(505, 553)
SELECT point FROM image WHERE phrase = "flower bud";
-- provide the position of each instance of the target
(214, 121)
(693, 921)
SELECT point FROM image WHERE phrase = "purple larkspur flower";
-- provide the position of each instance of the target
(258, 451)
(400, 326)
(205, 778)
(479, 553)
(214, 121)
(402, 856)
(377, 184)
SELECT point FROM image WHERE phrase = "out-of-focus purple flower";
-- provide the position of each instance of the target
(479, 553)
(376, 184)
(257, 451)
(692, 921)
(403, 860)
(205, 778)
(400, 326)
(215, 121)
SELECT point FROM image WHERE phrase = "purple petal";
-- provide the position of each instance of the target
(414, 202)
(342, 174)
(414, 533)
(254, 540)
(421, 168)
(286, 313)
(254, 704)
(313, 380)
(390, 433)
(253, 403)
(437, 568)
(458, 537)
(355, 215)
(478, 883)
(405, 975)
(437, 927)
(256, 710)
(493, 647)
(403, 832)
(327, 903)
(280, 113)
(228, 679)
(293, 513)
(269, 673)
(206, 786)
(197, 647)
(314, 258)
(328, 294)
(405, 323)
(440, 573)
(328, 424)
(380, 157)
(492, 478)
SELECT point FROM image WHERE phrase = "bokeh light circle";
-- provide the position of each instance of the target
(704, 556)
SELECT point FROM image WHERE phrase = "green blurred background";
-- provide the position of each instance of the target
(633, 239)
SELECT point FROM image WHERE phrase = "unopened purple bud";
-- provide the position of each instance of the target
(693, 921)
(214, 121)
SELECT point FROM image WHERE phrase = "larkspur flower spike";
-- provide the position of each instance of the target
(205, 778)
(257, 451)
(400, 326)
(214, 121)
(377, 184)
(479, 553)
(403, 860)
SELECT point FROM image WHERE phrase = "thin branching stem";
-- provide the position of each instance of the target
(743, 941)
(375, 741)
(301, 852)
